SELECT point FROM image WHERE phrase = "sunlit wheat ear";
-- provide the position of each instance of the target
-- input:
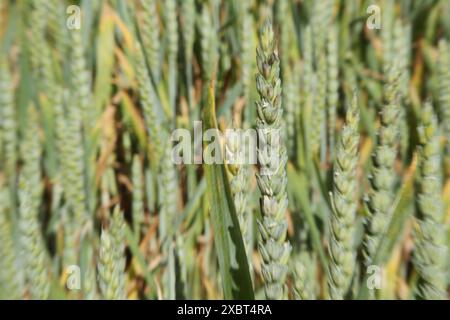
(332, 84)
(171, 24)
(401, 55)
(117, 230)
(319, 106)
(107, 276)
(69, 255)
(169, 194)
(321, 14)
(81, 81)
(9, 273)
(272, 179)
(57, 25)
(111, 259)
(387, 34)
(305, 285)
(148, 101)
(8, 121)
(30, 194)
(308, 85)
(36, 34)
(74, 165)
(430, 236)
(188, 14)
(288, 60)
(248, 52)
(172, 27)
(150, 33)
(383, 176)
(60, 136)
(32, 243)
(344, 200)
(239, 184)
(41, 58)
(208, 43)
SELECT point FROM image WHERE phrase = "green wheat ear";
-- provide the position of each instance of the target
(272, 178)
(188, 14)
(81, 82)
(148, 101)
(343, 198)
(9, 275)
(32, 243)
(150, 37)
(430, 253)
(382, 178)
(30, 192)
(332, 84)
(248, 52)
(56, 26)
(239, 185)
(208, 43)
(169, 196)
(8, 121)
(304, 275)
(111, 259)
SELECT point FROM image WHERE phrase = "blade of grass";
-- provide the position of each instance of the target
(236, 280)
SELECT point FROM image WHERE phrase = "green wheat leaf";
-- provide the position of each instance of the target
(230, 248)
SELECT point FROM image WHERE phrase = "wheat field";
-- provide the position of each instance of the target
(224, 149)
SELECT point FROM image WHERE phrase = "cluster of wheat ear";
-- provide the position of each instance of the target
(348, 172)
